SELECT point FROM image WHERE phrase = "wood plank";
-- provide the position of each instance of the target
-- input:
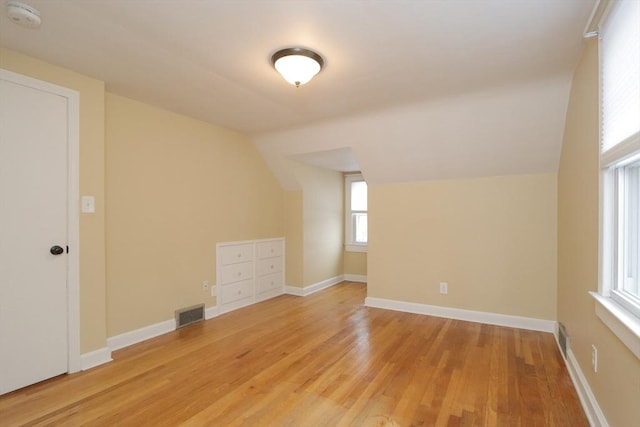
(320, 360)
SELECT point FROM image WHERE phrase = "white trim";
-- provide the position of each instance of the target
(623, 324)
(95, 358)
(138, 335)
(466, 315)
(587, 399)
(74, 363)
(605, 230)
(311, 289)
(592, 28)
(235, 305)
(211, 312)
(621, 153)
(352, 247)
(294, 290)
(245, 242)
(73, 266)
(269, 294)
(361, 278)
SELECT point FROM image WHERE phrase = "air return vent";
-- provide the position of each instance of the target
(563, 339)
(190, 315)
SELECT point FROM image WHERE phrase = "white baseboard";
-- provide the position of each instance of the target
(264, 296)
(294, 290)
(356, 278)
(467, 315)
(308, 290)
(138, 335)
(211, 312)
(95, 358)
(589, 403)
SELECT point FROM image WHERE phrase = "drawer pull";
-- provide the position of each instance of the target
(239, 292)
(272, 266)
(239, 273)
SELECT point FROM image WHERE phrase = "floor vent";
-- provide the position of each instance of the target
(563, 339)
(189, 316)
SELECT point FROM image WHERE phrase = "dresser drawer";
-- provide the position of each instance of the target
(270, 282)
(236, 272)
(236, 291)
(248, 272)
(235, 253)
(268, 266)
(269, 249)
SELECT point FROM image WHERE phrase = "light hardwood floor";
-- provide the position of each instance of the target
(322, 360)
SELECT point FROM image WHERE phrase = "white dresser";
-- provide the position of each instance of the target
(248, 272)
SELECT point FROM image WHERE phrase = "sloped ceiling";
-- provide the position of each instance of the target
(506, 131)
(416, 89)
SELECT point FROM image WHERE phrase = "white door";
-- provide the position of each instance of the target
(33, 225)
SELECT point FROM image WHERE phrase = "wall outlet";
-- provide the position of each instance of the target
(213, 291)
(205, 285)
(594, 358)
(444, 287)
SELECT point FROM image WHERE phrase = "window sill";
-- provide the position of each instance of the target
(355, 248)
(623, 324)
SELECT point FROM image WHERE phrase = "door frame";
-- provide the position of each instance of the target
(73, 196)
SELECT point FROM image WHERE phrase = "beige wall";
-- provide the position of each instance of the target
(92, 226)
(293, 226)
(314, 218)
(492, 239)
(616, 386)
(175, 187)
(323, 219)
(355, 263)
(322, 224)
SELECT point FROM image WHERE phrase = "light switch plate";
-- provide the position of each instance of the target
(88, 204)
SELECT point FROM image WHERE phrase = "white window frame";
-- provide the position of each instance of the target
(613, 307)
(618, 310)
(349, 243)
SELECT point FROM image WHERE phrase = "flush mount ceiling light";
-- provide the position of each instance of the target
(297, 65)
(23, 14)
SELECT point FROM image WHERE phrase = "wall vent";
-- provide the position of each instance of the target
(563, 339)
(189, 315)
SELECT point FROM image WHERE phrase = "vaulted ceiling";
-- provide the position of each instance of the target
(209, 59)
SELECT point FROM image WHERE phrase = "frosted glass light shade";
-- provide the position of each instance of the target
(297, 65)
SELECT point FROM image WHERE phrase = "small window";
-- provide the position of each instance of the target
(356, 227)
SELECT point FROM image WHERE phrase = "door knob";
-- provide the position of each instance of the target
(56, 250)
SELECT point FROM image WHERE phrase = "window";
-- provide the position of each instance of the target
(630, 182)
(621, 231)
(356, 234)
(620, 167)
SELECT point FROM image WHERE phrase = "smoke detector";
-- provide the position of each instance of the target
(23, 14)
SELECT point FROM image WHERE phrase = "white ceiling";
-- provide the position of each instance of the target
(505, 131)
(209, 59)
(338, 159)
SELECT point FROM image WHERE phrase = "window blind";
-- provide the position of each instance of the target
(620, 70)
